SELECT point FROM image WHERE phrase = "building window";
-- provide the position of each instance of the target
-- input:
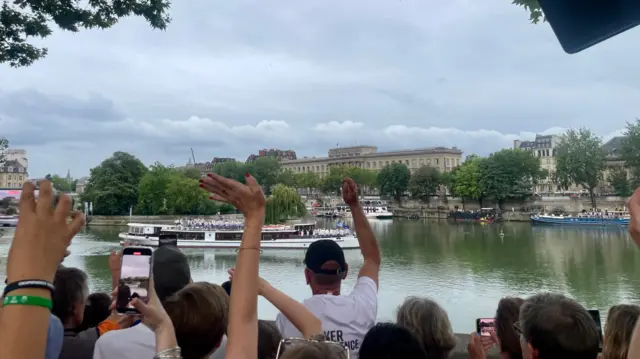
(421, 162)
(548, 161)
(20, 179)
(387, 163)
(437, 161)
(9, 177)
(414, 161)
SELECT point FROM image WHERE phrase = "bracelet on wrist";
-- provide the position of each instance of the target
(28, 300)
(29, 283)
(171, 353)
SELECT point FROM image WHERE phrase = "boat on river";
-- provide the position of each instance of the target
(229, 235)
(371, 212)
(8, 221)
(607, 219)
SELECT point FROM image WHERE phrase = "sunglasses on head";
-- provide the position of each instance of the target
(339, 350)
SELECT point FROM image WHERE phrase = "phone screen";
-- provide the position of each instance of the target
(135, 271)
(485, 326)
(595, 315)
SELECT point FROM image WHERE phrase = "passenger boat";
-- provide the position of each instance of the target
(484, 215)
(378, 212)
(298, 236)
(614, 219)
(8, 221)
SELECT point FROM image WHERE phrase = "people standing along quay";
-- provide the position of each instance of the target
(190, 320)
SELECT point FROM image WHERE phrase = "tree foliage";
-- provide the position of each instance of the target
(113, 185)
(630, 151)
(4, 145)
(393, 180)
(580, 159)
(466, 182)
(532, 6)
(62, 184)
(509, 174)
(24, 19)
(284, 203)
(424, 183)
(619, 181)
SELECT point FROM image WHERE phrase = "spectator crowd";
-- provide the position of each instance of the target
(47, 311)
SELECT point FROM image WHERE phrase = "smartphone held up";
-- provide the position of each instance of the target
(135, 273)
(485, 326)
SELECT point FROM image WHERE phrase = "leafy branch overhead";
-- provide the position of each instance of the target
(533, 8)
(24, 19)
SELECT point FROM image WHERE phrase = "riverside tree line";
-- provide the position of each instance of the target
(122, 181)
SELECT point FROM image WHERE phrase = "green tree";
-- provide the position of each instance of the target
(580, 159)
(24, 19)
(61, 184)
(630, 150)
(424, 183)
(266, 171)
(152, 190)
(532, 6)
(393, 180)
(113, 185)
(366, 179)
(4, 145)
(619, 181)
(284, 203)
(231, 169)
(287, 178)
(307, 181)
(466, 181)
(185, 197)
(332, 183)
(509, 174)
(191, 172)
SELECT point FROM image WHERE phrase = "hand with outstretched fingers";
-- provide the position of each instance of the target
(42, 235)
(153, 314)
(350, 192)
(247, 198)
(634, 212)
(262, 283)
(475, 348)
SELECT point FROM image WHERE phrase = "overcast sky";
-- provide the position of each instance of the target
(230, 77)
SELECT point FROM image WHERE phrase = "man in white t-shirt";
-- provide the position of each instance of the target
(171, 273)
(345, 318)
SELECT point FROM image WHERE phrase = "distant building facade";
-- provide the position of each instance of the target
(12, 174)
(613, 161)
(367, 157)
(279, 154)
(17, 154)
(81, 184)
(544, 147)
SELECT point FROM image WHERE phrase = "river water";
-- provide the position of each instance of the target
(467, 268)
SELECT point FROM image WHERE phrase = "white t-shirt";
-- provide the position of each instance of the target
(345, 318)
(135, 343)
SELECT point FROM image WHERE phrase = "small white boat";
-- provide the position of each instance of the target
(378, 212)
(8, 221)
(298, 236)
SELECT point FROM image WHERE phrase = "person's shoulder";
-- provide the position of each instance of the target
(119, 335)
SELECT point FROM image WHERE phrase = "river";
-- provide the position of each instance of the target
(467, 268)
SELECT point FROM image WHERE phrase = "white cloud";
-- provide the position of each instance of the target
(228, 78)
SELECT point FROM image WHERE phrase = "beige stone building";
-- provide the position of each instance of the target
(12, 174)
(368, 157)
(543, 147)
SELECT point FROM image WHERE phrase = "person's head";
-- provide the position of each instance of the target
(268, 339)
(325, 266)
(199, 313)
(507, 314)
(554, 326)
(96, 310)
(310, 349)
(621, 321)
(430, 323)
(170, 271)
(227, 287)
(70, 296)
(390, 341)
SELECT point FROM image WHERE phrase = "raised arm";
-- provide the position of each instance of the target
(242, 331)
(366, 238)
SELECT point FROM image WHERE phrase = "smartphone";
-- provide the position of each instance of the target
(135, 272)
(485, 326)
(168, 240)
(595, 315)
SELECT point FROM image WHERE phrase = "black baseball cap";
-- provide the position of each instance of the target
(321, 252)
(171, 271)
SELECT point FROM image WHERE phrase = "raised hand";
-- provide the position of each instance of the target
(475, 348)
(350, 192)
(249, 198)
(261, 282)
(153, 314)
(42, 235)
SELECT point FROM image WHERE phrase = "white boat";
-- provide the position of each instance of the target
(8, 221)
(377, 212)
(298, 236)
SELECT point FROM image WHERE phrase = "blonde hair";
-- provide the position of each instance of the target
(312, 350)
(199, 313)
(429, 322)
(621, 320)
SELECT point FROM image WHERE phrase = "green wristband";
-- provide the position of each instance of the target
(27, 300)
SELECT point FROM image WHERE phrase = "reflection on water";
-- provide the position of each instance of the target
(466, 267)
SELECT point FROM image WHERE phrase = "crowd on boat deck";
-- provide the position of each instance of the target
(48, 313)
(604, 214)
(209, 225)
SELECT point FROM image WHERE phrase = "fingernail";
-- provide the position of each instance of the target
(210, 197)
(210, 174)
(201, 184)
(247, 174)
(201, 180)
